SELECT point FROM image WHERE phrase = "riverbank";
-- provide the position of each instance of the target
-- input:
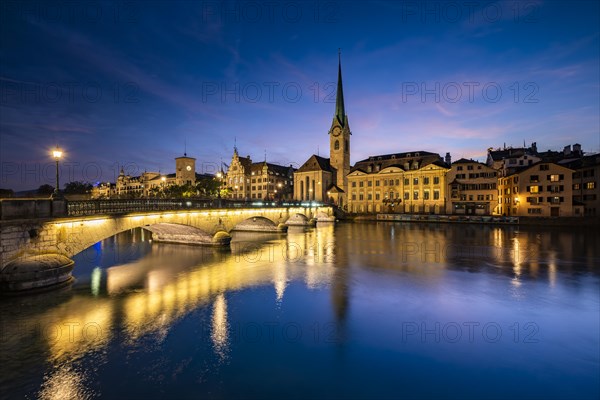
(477, 219)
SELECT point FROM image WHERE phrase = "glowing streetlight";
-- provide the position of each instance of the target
(219, 176)
(57, 154)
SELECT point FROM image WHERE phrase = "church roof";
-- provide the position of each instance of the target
(316, 163)
(333, 188)
(281, 169)
(421, 158)
(340, 111)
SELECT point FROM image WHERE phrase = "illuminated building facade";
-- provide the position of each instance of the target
(411, 182)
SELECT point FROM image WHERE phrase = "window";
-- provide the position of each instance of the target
(544, 167)
(406, 181)
(336, 145)
(377, 182)
(534, 211)
(590, 185)
(436, 194)
(415, 181)
(470, 167)
(377, 196)
(459, 168)
(576, 186)
(533, 189)
(426, 181)
(415, 195)
(361, 197)
(360, 184)
(554, 178)
(426, 195)
(369, 196)
(397, 182)
(436, 180)
(534, 178)
(354, 196)
(406, 196)
(353, 184)
(369, 183)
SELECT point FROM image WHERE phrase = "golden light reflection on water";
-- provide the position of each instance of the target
(220, 327)
(64, 384)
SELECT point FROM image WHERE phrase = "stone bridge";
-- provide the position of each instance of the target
(39, 229)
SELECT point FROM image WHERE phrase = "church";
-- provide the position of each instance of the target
(326, 179)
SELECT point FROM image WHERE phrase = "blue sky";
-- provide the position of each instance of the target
(131, 82)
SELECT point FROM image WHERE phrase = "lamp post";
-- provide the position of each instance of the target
(219, 176)
(57, 154)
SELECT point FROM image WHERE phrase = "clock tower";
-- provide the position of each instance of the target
(185, 170)
(339, 140)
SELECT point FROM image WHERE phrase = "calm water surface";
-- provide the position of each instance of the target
(353, 311)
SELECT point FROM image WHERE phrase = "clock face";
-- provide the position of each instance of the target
(189, 168)
(336, 131)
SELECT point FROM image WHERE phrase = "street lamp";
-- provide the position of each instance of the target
(57, 154)
(219, 176)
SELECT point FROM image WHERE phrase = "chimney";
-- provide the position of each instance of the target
(567, 150)
(448, 159)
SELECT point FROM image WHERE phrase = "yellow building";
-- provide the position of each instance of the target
(258, 181)
(146, 184)
(544, 189)
(313, 181)
(403, 183)
(472, 188)
(586, 183)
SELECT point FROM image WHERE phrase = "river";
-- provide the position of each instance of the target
(355, 310)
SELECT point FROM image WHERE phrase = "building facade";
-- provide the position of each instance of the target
(472, 188)
(313, 181)
(586, 180)
(544, 189)
(148, 184)
(411, 182)
(258, 181)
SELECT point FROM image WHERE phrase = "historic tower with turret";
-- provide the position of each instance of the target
(339, 138)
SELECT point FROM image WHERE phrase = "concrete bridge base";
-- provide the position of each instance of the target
(175, 233)
(36, 273)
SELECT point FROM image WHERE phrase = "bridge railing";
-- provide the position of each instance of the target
(121, 206)
(12, 209)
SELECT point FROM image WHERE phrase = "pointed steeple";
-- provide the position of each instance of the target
(340, 112)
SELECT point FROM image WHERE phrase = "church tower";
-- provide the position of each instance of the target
(339, 138)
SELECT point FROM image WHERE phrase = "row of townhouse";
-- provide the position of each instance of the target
(514, 182)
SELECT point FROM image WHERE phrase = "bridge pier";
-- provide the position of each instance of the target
(36, 273)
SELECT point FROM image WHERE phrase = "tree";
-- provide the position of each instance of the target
(45, 189)
(208, 187)
(77, 187)
(6, 193)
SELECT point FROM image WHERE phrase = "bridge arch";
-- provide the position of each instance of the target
(259, 224)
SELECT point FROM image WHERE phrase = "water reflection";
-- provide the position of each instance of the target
(148, 289)
(219, 334)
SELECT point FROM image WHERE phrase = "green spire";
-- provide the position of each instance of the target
(340, 112)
